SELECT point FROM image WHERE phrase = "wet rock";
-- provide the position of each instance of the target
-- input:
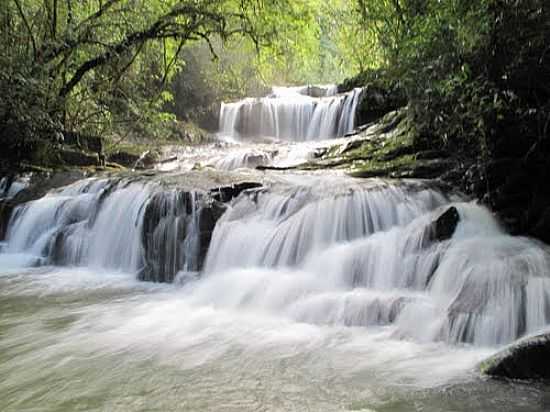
(176, 233)
(398, 152)
(123, 158)
(144, 161)
(444, 226)
(541, 230)
(528, 358)
(349, 146)
(208, 218)
(226, 193)
(6, 209)
(168, 223)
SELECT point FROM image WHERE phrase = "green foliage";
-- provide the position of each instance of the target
(108, 67)
(475, 73)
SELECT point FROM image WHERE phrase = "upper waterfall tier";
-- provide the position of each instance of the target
(292, 113)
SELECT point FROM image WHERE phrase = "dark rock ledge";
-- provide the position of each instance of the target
(527, 358)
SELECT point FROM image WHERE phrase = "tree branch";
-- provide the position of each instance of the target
(164, 27)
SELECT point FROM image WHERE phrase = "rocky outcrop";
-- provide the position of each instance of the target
(226, 193)
(378, 98)
(177, 228)
(444, 226)
(529, 358)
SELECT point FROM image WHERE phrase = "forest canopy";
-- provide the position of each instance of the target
(133, 68)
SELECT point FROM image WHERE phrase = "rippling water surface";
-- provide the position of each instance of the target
(73, 339)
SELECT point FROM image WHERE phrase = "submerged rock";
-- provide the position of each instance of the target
(529, 358)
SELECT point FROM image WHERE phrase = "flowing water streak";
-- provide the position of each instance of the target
(10, 187)
(118, 224)
(291, 114)
(281, 228)
(373, 261)
(350, 254)
(243, 158)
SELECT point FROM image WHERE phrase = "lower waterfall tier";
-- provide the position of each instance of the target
(334, 251)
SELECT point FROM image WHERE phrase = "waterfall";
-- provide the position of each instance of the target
(294, 113)
(10, 187)
(280, 229)
(365, 257)
(119, 224)
(334, 251)
(243, 158)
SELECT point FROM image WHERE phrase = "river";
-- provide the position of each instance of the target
(313, 291)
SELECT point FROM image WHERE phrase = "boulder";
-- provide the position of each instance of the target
(528, 358)
(444, 226)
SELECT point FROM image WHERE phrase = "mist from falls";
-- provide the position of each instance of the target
(292, 114)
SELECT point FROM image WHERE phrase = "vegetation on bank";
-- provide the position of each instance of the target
(475, 77)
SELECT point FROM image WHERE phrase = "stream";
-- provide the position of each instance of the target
(305, 291)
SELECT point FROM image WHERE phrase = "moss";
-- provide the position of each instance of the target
(386, 149)
(386, 146)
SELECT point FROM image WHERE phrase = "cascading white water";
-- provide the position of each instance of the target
(110, 223)
(281, 229)
(243, 158)
(331, 251)
(292, 114)
(9, 188)
(364, 257)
